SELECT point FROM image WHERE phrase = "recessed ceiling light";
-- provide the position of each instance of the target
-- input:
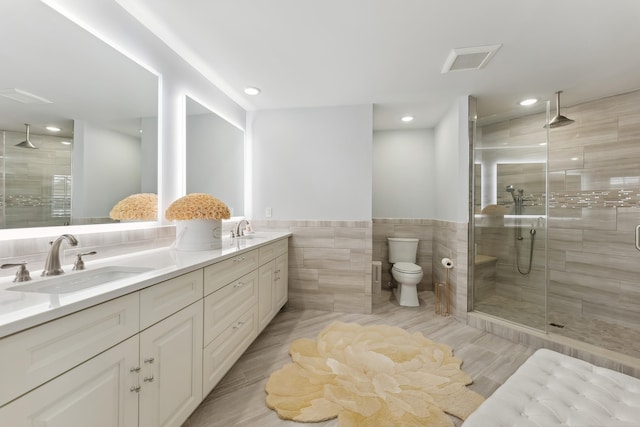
(543, 143)
(53, 129)
(575, 158)
(527, 102)
(65, 142)
(253, 91)
(407, 119)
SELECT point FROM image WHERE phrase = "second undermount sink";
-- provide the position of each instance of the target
(77, 281)
(247, 237)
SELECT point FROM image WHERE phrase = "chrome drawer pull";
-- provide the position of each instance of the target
(148, 379)
(135, 388)
(149, 360)
(239, 285)
(136, 369)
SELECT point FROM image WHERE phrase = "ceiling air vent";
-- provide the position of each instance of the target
(469, 58)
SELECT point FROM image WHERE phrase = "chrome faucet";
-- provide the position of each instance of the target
(238, 232)
(52, 265)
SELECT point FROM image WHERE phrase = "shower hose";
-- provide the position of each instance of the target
(532, 232)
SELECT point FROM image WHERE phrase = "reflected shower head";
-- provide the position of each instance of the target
(559, 120)
(510, 189)
(26, 143)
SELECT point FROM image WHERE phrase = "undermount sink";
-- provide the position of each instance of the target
(251, 236)
(77, 281)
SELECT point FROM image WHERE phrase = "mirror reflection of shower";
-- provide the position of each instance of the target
(518, 202)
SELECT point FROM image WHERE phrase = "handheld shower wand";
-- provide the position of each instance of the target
(518, 201)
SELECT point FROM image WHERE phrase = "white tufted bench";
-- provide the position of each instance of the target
(551, 389)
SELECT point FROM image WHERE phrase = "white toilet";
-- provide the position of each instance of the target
(402, 254)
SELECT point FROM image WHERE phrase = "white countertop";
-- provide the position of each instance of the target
(22, 310)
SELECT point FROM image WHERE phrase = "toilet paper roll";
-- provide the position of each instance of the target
(447, 262)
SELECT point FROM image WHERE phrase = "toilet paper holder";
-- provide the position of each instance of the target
(443, 297)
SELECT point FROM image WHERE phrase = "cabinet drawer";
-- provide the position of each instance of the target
(224, 306)
(164, 299)
(224, 272)
(220, 355)
(272, 250)
(97, 390)
(29, 358)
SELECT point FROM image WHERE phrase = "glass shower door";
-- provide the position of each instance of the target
(510, 220)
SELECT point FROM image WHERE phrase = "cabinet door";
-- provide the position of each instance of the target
(99, 393)
(171, 362)
(265, 294)
(34, 356)
(281, 282)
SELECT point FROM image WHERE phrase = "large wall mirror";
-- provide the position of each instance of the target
(215, 157)
(56, 74)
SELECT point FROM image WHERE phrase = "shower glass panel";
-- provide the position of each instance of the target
(510, 219)
(35, 184)
(576, 202)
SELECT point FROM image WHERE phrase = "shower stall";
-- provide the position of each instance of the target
(35, 180)
(555, 224)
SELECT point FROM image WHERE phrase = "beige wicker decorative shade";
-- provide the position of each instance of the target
(141, 207)
(197, 206)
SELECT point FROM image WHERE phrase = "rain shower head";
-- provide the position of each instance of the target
(26, 143)
(559, 120)
(510, 189)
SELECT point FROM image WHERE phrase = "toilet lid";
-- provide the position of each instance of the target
(407, 267)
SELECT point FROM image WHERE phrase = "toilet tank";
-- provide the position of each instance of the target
(402, 249)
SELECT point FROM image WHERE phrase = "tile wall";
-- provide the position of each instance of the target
(329, 264)
(438, 239)
(35, 185)
(594, 186)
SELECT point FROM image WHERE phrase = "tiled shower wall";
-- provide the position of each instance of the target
(34, 184)
(594, 206)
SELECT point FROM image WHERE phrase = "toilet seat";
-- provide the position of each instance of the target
(407, 268)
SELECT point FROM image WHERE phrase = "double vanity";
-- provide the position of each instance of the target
(138, 339)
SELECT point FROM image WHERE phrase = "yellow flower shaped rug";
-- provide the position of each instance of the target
(371, 376)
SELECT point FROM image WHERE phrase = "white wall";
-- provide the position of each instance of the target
(215, 159)
(312, 163)
(111, 169)
(404, 174)
(452, 160)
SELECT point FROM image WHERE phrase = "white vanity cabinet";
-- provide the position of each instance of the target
(171, 368)
(99, 392)
(35, 356)
(230, 314)
(146, 358)
(153, 378)
(273, 287)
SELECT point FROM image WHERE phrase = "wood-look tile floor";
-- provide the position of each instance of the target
(239, 398)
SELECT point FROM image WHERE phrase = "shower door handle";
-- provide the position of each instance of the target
(638, 237)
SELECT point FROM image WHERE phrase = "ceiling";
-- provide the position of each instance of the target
(306, 53)
(45, 54)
